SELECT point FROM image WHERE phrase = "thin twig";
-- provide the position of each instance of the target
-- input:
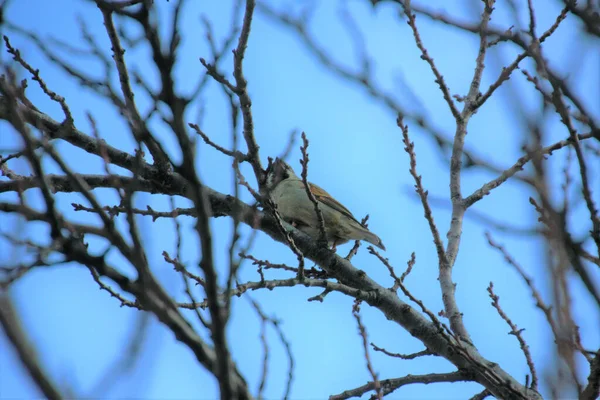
(309, 193)
(411, 356)
(517, 332)
(390, 385)
(363, 334)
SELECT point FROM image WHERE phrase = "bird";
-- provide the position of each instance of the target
(288, 193)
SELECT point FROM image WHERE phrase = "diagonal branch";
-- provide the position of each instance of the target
(17, 336)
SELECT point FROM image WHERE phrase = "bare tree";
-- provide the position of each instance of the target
(166, 125)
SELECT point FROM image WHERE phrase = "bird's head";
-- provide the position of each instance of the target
(278, 171)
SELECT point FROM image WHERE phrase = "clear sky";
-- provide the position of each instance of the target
(356, 153)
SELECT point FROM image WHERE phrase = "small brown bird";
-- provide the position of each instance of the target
(293, 205)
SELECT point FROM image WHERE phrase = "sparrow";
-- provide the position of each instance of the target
(288, 193)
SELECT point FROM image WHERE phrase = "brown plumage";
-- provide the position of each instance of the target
(293, 205)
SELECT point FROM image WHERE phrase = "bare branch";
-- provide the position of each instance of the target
(138, 127)
(517, 332)
(403, 356)
(241, 86)
(518, 166)
(592, 390)
(391, 385)
(439, 79)
(445, 266)
(363, 334)
(309, 193)
(17, 336)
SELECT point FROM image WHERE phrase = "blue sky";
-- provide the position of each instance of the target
(356, 153)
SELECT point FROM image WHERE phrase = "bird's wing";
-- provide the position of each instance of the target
(325, 198)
